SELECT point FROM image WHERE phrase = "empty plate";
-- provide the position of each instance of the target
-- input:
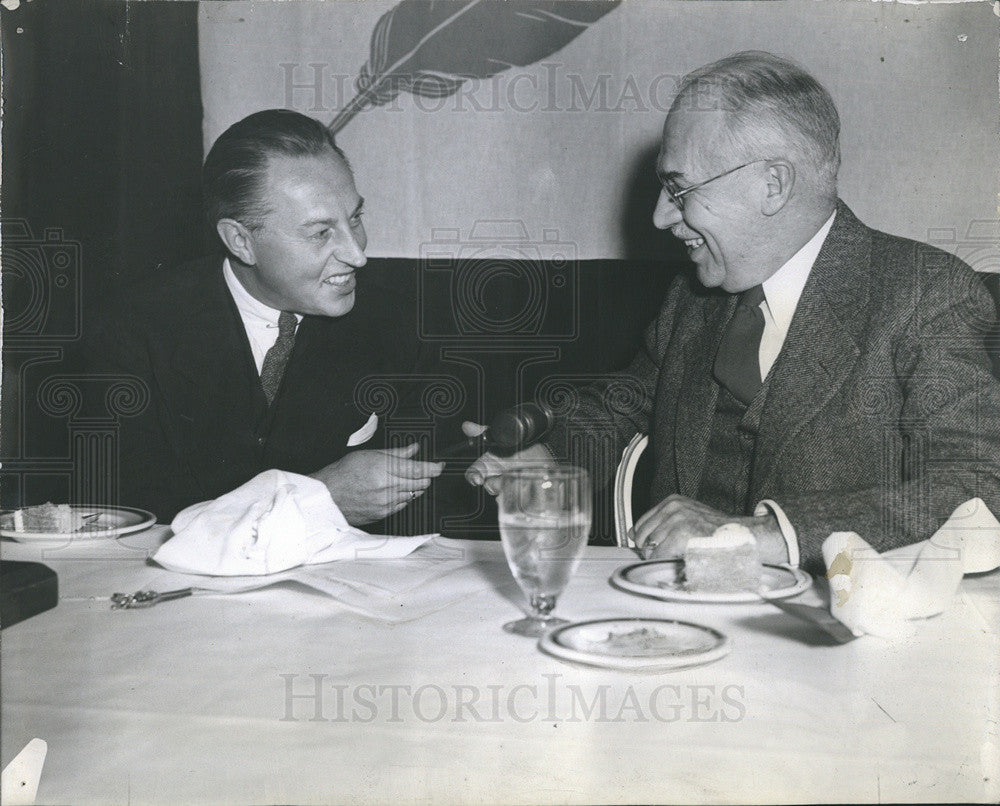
(635, 644)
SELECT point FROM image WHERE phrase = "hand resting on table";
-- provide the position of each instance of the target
(663, 532)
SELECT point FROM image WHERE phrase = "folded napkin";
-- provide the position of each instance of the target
(878, 594)
(274, 522)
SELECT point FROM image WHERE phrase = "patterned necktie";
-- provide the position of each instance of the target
(737, 364)
(277, 357)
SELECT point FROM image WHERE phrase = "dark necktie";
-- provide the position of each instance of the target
(277, 357)
(737, 364)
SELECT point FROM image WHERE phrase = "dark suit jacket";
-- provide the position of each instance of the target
(879, 416)
(207, 427)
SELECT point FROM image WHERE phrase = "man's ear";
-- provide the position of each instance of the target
(780, 181)
(237, 239)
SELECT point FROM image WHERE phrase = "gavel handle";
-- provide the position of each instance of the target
(469, 448)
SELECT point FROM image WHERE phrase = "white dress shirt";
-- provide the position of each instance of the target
(259, 320)
(782, 291)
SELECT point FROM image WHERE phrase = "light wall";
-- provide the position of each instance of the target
(916, 86)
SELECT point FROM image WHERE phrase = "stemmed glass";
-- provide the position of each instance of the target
(545, 515)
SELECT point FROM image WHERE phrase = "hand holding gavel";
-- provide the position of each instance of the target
(512, 439)
(510, 431)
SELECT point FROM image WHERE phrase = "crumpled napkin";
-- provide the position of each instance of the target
(878, 594)
(274, 522)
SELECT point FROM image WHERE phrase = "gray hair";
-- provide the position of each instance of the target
(769, 102)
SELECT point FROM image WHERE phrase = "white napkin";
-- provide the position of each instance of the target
(274, 522)
(878, 594)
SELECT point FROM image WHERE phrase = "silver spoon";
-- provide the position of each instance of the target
(130, 601)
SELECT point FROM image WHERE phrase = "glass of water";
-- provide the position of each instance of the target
(545, 515)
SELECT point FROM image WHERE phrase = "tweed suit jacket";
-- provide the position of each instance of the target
(207, 427)
(879, 416)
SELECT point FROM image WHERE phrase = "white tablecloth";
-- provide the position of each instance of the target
(213, 699)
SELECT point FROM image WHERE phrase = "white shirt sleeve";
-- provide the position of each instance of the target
(787, 530)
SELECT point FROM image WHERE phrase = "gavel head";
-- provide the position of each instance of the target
(520, 427)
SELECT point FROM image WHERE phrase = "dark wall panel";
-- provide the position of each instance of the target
(101, 182)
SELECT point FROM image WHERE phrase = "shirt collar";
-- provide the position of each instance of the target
(249, 306)
(783, 289)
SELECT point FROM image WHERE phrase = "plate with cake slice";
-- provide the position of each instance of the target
(50, 522)
(724, 567)
(635, 644)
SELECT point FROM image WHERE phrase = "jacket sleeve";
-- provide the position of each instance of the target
(594, 423)
(148, 473)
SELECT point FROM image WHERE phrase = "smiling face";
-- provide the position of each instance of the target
(304, 255)
(721, 224)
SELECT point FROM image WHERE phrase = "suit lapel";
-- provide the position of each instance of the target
(823, 343)
(332, 356)
(698, 394)
(211, 356)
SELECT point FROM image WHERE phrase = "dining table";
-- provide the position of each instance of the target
(392, 681)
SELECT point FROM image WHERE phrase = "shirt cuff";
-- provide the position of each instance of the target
(767, 506)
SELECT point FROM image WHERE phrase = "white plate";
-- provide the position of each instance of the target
(660, 579)
(111, 522)
(635, 644)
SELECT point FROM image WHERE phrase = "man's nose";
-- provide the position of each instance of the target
(666, 213)
(352, 248)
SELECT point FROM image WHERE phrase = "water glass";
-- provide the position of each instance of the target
(545, 515)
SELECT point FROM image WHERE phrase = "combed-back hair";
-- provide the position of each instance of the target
(770, 103)
(236, 165)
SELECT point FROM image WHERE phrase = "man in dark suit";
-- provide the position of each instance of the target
(818, 375)
(256, 360)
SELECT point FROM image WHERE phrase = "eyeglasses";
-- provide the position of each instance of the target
(677, 193)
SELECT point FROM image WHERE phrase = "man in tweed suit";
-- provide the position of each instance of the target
(864, 400)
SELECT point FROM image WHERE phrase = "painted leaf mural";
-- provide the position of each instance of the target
(431, 47)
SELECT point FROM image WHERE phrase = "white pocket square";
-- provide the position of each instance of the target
(365, 433)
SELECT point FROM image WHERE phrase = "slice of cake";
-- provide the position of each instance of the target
(726, 562)
(47, 517)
